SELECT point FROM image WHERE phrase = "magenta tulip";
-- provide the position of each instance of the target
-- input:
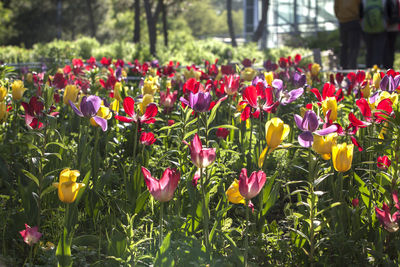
(163, 189)
(250, 187)
(201, 157)
(30, 235)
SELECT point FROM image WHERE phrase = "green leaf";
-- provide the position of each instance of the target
(63, 252)
(300, 233)
(330, 206)
(164, 257)
(49, 189)
(322, 178)
(189, 134)
(272, 197)
(53, 154)
(57, 144)
(213, 114)
(32, 177)
(141, 201)
(82, 190)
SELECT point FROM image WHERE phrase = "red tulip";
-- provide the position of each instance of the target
(147, 138)
(201, 157)
(383, 162)
(163, 189)
(222, 133)
(250, 187)
(129, 107)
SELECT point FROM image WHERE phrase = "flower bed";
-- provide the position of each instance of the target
(221, 164)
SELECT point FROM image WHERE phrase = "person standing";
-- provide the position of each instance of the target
(393, 8)
(373, 21)
(348, 15)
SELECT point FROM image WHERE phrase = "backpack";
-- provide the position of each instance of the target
(373, 19)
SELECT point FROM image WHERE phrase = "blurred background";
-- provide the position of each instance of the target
(34, 30)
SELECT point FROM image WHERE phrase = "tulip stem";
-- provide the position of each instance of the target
(205, 213)
(161, 222)
(246, 237)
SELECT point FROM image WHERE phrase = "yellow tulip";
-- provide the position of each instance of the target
(29, 77)
(18, 89)
(275, 132)
(3, 93)
(3, 111)
(150, 86)
(117, 90)
(70, 93)
(147, 99)
(67, 186)
(315, 69)
(104, 112)
(330, 103)
(385, 94)
(366, 90)
(377, 80)
(248, 74)
(342, 157)
(323, 145)
(114, 106)
(269, 77)
(191, 74)
(234, 195)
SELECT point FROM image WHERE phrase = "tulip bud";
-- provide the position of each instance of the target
(70, 93)
(3, 93)
(17, 89)
(67, 186)
(3, 111)
(377, 80)
(342, 157)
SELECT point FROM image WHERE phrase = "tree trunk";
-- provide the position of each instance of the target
(136, 33)
(230, 22)
(261, 25)
(152, 24)
(165, 23)
(91, 18)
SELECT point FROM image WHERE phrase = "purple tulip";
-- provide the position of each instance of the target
(89, 107)
(392, 82)
(285, 96)
(199, 102)
(309, 125)
(299, 80)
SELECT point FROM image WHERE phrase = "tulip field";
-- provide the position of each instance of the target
(112, 163)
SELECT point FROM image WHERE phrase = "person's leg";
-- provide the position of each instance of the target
(354, 44)
(344, 45)
(368, 43)
(378, 48)
(388, 57)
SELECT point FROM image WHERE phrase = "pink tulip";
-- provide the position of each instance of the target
(250, 187)
(30, 235)
(232, 84)
(388, 220)
(163, 189)
(201, 157)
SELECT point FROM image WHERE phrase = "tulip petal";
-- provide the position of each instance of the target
(328, 130)
(76, 110)
(129, 106)
(102, 122)
(299, 121)
(305, 139)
